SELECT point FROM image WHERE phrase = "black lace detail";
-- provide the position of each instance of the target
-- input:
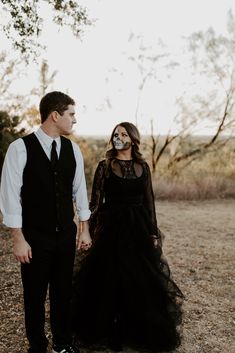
(127, 170)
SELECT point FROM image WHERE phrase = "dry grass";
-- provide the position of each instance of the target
(194, 187)
(199, 245)
(210, 176)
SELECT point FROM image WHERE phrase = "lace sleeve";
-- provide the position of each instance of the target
(149, 203)
(97, 194)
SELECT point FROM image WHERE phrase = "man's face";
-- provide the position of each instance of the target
(121, 139)
(66, 120)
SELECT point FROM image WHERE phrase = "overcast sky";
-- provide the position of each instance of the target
(98, 73)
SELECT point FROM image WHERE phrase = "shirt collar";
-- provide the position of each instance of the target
(47, 140)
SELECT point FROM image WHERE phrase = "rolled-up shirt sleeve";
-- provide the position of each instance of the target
(79, 186)
(11, 183)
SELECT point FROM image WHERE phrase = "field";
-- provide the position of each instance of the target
(209, 175)
(199, 246)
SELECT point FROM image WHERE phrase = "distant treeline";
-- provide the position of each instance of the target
(207, 174)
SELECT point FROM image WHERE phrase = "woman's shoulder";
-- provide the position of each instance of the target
(101, 166)
(102, 163)
(145, 167)
(143, 163)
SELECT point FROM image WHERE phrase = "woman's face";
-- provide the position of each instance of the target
(121, 139)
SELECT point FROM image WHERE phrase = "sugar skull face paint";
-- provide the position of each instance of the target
(121, 139)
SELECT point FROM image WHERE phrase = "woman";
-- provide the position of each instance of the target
(123, 293)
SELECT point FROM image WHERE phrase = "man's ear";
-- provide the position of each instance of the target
(54, 116)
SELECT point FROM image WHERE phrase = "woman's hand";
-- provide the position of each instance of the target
(84, 238)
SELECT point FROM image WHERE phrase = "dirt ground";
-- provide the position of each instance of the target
(199, 245)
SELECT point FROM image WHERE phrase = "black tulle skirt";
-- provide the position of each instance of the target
(123, 290)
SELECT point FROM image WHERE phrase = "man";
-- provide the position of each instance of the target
(42, 181)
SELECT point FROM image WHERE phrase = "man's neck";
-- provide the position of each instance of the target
(49, 130)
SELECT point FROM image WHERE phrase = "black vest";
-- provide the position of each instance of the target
(46, 195)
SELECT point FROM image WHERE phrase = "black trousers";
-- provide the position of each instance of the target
(51, 267)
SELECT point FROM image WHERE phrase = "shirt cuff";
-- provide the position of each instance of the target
(12, 221)
(84, 215)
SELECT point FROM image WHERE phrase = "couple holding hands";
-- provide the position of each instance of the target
(123, 293)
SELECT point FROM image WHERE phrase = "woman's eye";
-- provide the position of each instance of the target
(116, 135)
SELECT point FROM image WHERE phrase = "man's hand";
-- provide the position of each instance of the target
(155, 240)
(21, 248)
(84, 238)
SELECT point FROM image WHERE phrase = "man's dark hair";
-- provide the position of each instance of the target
(54, 101)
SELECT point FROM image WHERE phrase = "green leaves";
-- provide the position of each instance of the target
(9, 130)
(24, 21)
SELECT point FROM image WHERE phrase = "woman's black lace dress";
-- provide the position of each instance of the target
(123, 292)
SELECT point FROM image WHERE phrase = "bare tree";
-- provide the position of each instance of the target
(46, 79)
(157, 152)
(21, 105)
(148, 60)
(214, 57)
(10, 71)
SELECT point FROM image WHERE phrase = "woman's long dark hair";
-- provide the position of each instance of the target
(134, 135)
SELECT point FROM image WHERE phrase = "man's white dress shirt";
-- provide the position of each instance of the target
(12, 179)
